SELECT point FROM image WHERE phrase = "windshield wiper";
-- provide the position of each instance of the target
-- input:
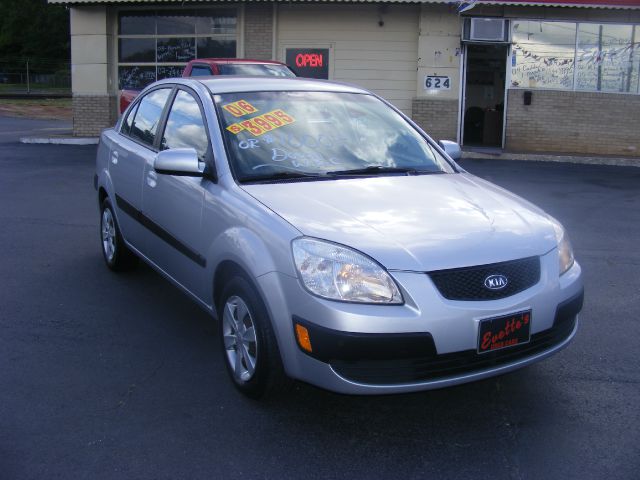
(370, 170)
(374, 169)
(279, 176)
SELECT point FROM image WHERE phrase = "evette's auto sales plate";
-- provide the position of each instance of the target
(506, 331)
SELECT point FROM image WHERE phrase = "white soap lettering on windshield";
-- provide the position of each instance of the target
(249, 144)
(325, 133)
(297, 159)
(279, 155)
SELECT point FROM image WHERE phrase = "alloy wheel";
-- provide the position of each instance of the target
(239, 334)
(108, 235)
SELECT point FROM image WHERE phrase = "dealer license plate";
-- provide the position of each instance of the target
(505, 331)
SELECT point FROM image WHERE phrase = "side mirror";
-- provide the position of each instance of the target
(179, 161)
(452, 149)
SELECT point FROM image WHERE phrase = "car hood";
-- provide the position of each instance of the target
(414, 223)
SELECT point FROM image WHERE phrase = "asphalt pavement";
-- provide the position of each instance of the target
(108, 376)
(13, 128)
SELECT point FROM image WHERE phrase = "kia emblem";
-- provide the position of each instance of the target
(495, 282)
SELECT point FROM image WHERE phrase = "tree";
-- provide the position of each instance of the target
(34, 29)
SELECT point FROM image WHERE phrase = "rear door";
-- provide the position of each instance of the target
(131, 151)
(174, 204)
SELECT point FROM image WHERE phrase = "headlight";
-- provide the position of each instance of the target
(565, 252)
(340, 273)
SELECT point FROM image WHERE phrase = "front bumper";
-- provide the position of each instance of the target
(429, 342)
(388, 359)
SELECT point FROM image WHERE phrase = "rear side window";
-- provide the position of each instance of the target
(185, 126)
(148, 116)
(201, 71)
(126, 124)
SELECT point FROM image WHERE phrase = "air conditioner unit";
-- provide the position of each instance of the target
(480, 29)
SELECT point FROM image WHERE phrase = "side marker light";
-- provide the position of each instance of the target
(303, 338)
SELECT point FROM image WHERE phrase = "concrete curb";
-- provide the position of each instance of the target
(585, 160)
(60, 140)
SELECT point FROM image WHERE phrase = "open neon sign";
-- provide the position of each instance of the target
(309, 62)
(312, 60)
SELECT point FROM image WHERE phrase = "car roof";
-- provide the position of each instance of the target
(232, 84)
(227, 61)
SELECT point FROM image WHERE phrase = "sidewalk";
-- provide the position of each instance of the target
(59, 139)
(14, 129)
(551, 157)
(39, 130)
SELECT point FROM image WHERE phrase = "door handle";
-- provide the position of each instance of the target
(114, 158)
(151, 178)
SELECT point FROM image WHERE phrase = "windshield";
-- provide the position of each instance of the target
(319, 134)
(253, 69)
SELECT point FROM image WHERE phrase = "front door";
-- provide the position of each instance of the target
(484, 88)
(174, 204)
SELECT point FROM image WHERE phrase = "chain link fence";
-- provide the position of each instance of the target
(35, 76)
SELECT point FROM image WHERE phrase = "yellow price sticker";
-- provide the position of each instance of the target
(240, 108)
(261, 124)
(235, 128)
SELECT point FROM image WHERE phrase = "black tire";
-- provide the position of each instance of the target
(268, 379)
(115, 252)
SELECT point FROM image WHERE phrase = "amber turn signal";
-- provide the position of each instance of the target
(303, 338)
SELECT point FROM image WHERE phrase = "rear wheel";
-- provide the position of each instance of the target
(117, 255)
(249, 345)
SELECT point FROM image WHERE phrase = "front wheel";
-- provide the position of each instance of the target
(116, 254)
(249, 346)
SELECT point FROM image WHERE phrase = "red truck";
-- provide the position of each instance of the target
(220, 66)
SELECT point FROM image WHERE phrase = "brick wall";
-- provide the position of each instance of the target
(258, 31)
(92, 114)
(574, 122)
(439, 118)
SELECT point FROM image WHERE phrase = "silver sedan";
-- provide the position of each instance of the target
(332, 239)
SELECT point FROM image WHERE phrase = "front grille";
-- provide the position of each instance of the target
(433, 367)
(468, 283)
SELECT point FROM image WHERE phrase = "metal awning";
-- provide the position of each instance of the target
(606, 4)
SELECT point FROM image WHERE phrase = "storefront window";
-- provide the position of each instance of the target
(137, 49)
(176, 23)
(137, 23)
(605, 58)
(634, 78)
(576, 56)
(543, 54)
(175, 49)
(136, 77)
(158, 44)
(169, 71)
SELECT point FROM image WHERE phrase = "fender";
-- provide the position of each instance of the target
(247, 249)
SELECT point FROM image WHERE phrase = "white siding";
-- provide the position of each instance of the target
(383, 59)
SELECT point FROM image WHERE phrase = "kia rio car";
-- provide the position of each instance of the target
(332, 239)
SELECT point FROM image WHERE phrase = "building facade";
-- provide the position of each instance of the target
(533, 76)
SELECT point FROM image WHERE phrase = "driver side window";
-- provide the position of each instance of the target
(185, 126)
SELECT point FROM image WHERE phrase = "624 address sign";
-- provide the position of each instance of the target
(436, 82)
